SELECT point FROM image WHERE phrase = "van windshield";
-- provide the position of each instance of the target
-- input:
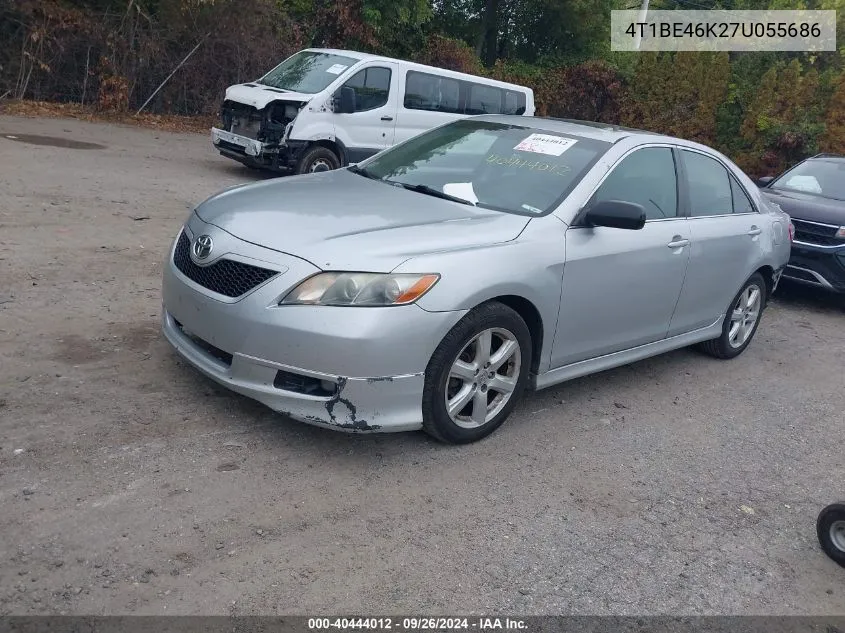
(505, 167)
(307, 72)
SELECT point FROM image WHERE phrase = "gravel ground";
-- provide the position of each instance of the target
(131, 484)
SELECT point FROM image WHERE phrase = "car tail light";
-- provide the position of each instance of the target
(791, 231)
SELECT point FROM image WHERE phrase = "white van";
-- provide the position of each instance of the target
(324, 108)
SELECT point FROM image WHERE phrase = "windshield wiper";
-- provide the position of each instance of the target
(429, 191)
(362, 172)
(264, 83)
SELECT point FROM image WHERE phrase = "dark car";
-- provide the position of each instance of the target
(813, 194)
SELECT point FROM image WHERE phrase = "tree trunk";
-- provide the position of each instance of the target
(491, 32)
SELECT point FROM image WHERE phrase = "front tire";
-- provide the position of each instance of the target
(476, 375)
(317, 159)
(830, 528)
(741, 321)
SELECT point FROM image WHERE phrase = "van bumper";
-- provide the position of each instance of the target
(254, 153)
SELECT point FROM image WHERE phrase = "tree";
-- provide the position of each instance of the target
(834, 134)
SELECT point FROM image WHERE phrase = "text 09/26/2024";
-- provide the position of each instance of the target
(417, 624)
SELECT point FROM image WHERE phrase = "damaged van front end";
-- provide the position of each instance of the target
(258, 134)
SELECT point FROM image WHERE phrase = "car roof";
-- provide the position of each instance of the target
(587, 129)
(832, 158)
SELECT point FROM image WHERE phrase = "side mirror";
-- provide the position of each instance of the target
(616, 214)
(344, 101)
(764, 181)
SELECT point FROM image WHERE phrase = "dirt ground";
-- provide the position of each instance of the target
(131, 484)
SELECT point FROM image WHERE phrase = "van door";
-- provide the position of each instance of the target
(427, 101)
(370, 128)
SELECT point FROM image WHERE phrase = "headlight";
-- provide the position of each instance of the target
(841, 233)
(360, 289)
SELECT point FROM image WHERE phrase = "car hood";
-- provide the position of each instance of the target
(805, 206)
(259, 96)
(342, 221)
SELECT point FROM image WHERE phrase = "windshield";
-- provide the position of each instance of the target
(308, 72)
(508, 168)
(825, 178)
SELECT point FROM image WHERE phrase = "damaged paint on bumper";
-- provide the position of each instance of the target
(390, 403)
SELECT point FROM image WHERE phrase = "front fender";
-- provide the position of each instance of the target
(529, 267)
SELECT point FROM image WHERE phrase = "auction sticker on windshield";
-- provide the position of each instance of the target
(336, 69)
(545, 144)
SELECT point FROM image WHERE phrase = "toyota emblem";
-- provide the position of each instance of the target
(202, 246)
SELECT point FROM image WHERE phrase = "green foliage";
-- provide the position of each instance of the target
(766, 110)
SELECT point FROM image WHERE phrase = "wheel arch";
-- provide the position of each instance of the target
(338, 149)
(531, 315)
(768, 274)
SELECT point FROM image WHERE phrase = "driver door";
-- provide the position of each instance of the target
(620, 287)
(371, 127)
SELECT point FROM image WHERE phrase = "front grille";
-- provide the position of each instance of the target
(812, 233)
(225, 276)
(242, 119)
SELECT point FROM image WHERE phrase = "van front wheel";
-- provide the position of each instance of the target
(317, 159)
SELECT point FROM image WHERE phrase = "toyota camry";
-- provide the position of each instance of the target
(431, 285)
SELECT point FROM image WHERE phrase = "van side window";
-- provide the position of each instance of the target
(372, 87)
(430, 92)
(424, 91)
(514, 102)
(484, 100)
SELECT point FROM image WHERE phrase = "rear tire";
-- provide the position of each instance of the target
(317, 159)
(741, 321)
(830, 528)
(479, 371)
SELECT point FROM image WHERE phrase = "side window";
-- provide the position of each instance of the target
(372, 87)
(484, 100)
(709, 185)
(646, 177)
(430, 92)
(741, 203)
(514, 103)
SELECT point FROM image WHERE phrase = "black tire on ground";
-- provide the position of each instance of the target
(721, 347)
(317, 159)
(825, 525)
(436, 419)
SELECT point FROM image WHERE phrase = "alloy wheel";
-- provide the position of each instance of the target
(746, 312)
(483, 377)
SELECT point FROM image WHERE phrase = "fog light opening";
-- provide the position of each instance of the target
(306, 385)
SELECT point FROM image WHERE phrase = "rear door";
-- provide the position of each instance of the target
(370, 128)
(726, 231)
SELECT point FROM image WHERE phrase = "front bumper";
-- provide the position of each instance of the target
(282, 156)
(819, 266)
(374, 358)
(243, 149)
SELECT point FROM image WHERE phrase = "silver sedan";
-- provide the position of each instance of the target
(431, 285)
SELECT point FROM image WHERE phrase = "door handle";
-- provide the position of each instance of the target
(755, 230)
(678, 242)
(387, 118)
